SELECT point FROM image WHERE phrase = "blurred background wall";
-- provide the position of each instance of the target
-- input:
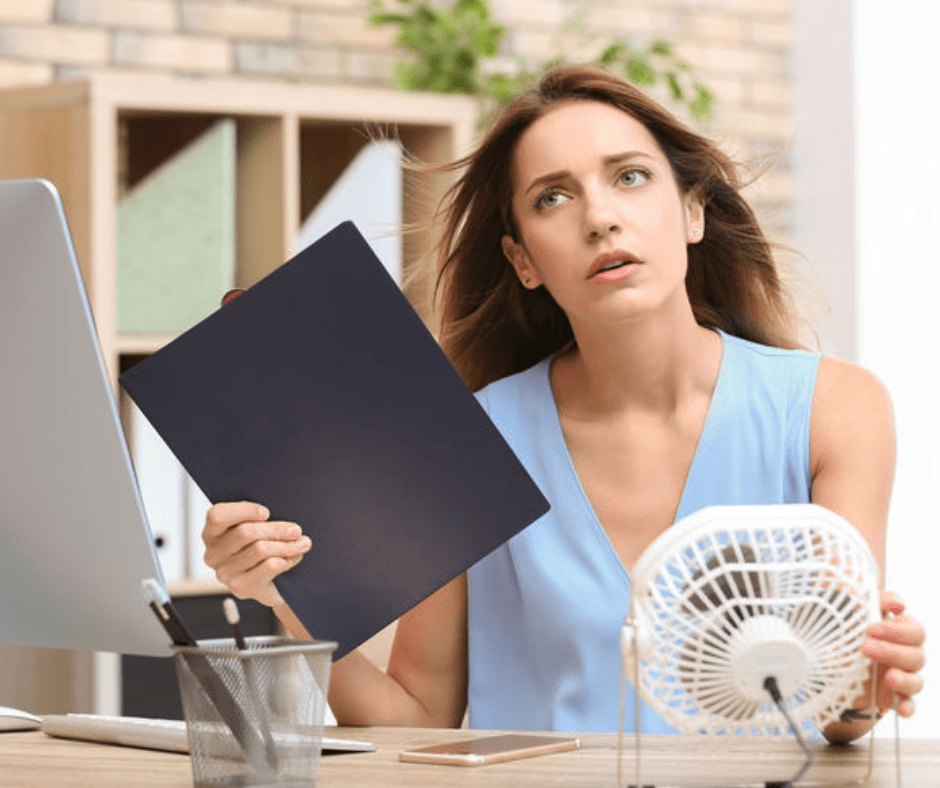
(739, 48)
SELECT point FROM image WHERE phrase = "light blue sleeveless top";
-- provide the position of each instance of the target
(546, 609)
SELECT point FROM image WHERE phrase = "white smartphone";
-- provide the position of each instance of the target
(490, 749)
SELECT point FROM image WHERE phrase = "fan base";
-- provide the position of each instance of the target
(786, 784)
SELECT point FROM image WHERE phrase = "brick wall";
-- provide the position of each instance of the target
(739, 48)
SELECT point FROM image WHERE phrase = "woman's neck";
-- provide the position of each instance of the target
(649, 364)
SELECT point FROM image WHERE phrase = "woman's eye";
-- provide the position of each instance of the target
(548, 200)
(634, 177)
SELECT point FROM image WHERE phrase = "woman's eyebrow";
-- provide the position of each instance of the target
(619, 158)
(549, 177)
(614, 158)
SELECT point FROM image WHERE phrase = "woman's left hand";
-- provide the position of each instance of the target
(897, 644)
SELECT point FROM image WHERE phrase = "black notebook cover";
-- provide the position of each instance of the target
(320, 393)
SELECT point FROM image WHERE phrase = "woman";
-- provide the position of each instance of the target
(612, 299)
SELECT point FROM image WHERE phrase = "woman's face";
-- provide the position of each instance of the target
(601, 222)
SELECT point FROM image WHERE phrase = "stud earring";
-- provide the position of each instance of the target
(528, 281)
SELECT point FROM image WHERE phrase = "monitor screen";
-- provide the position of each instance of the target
(74, 539)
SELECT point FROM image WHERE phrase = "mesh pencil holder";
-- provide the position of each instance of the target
(254, 717)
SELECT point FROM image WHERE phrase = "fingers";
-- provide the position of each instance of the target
(257, 582)
(891, 604)
(223, 516)
(896, 644)
(247, 551)
(243, 528)
(903, 631)
(901, 683)
(251, 536)
(231, 295)
(246, 546)
(900, 658)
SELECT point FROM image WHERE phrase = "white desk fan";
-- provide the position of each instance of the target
(732, 596)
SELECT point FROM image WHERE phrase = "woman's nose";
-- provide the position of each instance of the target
(600, 215)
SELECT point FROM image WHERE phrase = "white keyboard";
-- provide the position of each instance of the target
(150, 733)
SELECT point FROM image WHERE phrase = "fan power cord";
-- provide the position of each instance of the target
(770, 684)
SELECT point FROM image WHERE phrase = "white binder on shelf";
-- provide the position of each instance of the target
(196, 505)
(161, 483)
(368, 193)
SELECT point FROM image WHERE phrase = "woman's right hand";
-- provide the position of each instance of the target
(247, 550)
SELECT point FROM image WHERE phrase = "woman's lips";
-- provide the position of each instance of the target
(613, 266)
(616, 274)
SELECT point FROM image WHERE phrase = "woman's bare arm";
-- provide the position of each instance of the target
(853, 452)
(426, 681)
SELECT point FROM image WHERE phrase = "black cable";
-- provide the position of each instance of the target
(853, 714)
(770, 684)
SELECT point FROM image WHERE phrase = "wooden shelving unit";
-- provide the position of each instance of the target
(96, 138)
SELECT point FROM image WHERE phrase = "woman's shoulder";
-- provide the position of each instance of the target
(846, 398)
(852, 421)
(847, 390)
(778, 374)
(521, 407)
(853, 447)
(756, 350)
(513, 387)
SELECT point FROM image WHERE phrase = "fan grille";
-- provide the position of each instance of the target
(736, 592)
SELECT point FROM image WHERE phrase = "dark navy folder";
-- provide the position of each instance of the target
(320, 393)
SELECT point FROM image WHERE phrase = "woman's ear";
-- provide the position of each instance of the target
(519, 259)
(694, 219)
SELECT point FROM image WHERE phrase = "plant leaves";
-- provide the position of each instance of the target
(674, 87)
(639, 71)
(702, 104)
(611, 54)
(387, 19)
(663, 48)
(447, 40)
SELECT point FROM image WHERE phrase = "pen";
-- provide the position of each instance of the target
(230, 609)
(162, 605)
(216, 691)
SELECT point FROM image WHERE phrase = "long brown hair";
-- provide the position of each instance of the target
(490, 326)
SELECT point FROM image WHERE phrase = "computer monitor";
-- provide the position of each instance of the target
(74, 539)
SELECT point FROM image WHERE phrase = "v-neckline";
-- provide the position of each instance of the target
(707, 428)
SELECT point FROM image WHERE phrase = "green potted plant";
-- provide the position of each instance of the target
(449, 43)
